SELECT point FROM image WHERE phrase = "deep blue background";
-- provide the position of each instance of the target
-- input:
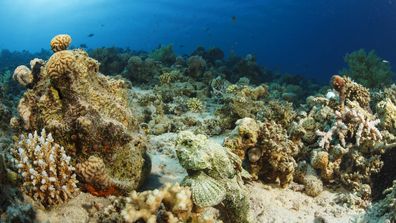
(308, 37)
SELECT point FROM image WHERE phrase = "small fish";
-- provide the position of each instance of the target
(233, 18)
(83, 45)
(385, 61)
(91, 35)
(181, 45)
(101, 25)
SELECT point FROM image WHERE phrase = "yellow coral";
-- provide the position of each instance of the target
(195, 105)
(60, 63)
(60, 42)
(45, 168)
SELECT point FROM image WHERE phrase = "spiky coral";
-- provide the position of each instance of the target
(45, 168)
(213, 170)
(171, 203)
(195, 105)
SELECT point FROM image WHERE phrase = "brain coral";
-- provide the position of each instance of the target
(87, 112)
(45, 168)
(60, 42)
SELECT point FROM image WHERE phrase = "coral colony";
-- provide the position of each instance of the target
(79, 132)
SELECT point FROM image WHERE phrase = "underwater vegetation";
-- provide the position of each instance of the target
(85, 123)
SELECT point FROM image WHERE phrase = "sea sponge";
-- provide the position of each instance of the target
(23, 75)
(60, 42)
(172, 203)
(338, 83)
(45, 168)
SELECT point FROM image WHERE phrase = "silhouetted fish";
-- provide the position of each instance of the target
(91, 35)
(181, 45)
(83, 45)
(233, 18)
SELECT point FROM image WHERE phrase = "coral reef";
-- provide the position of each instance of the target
(140, 70)
(112, 60)
(164, 54)
(368, 69)
(240, 101)
(172, 203)
(45, 168)
(214, 175)
(267, 148)
(60, 42)
(88, 113)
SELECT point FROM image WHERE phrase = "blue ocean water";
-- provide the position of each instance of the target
(298, 37)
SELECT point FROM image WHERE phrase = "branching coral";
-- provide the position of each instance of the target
(171, 203)
(214, 175)
(45, 168)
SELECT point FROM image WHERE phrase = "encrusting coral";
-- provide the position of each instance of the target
(214, 175)
(268, 149)
(45, 168)
(171, 204)
(87, 112)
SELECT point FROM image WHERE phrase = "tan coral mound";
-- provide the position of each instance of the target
(267, 147)
(171, 203)
(45, 168)
(88, 113)
(60, 42)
